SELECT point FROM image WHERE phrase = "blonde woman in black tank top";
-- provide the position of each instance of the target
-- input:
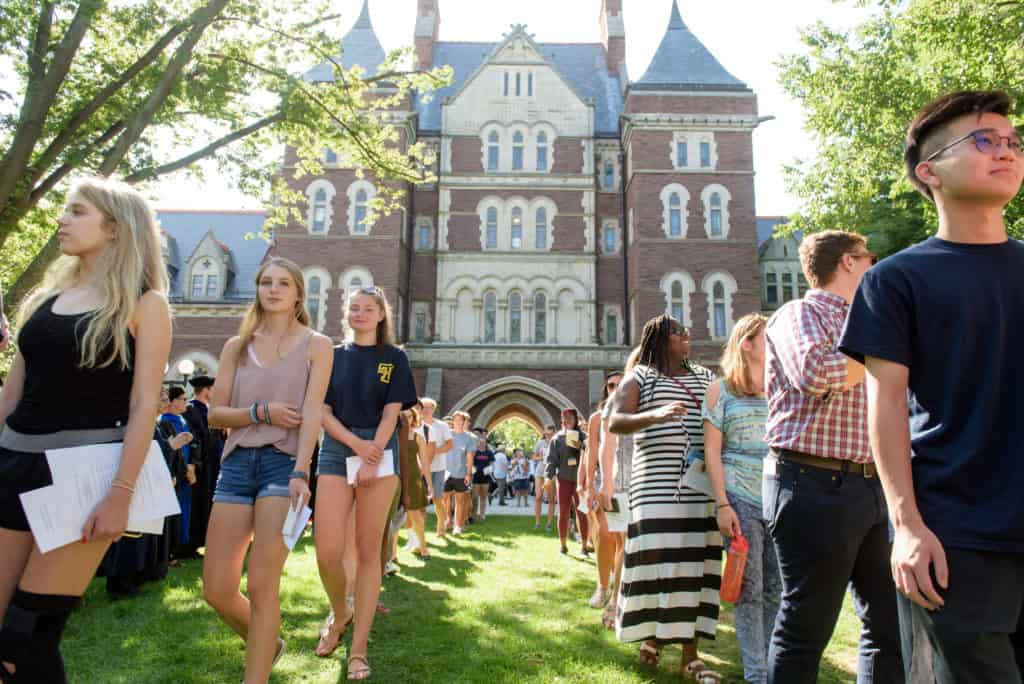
(94, 338)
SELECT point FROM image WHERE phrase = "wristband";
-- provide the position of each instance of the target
(299, 475)
(266, 413)
(725, 505)
(253, 415)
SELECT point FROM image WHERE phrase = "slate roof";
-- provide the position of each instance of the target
(359, 46)
(682, 61)
(185, 229)
(582, 65)
(766, 231)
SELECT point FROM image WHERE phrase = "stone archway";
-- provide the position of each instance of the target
(518, 396)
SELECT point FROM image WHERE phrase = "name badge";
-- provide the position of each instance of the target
(572, 462)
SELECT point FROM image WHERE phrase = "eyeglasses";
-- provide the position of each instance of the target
(678, 332)
(865, 255)
(986, 141)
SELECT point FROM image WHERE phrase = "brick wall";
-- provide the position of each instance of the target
(637, 101)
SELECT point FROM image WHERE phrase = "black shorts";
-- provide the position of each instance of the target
(20, 472)
(456, 484)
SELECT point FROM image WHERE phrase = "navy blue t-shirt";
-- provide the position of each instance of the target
(366, 379)
(953, 314)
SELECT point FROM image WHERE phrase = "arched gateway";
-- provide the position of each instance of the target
(517, 396)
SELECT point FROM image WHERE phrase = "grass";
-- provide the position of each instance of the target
(498, 604)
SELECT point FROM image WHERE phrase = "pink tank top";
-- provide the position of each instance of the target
(284, 382)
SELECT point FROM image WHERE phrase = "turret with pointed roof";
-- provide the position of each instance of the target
(682, 62)
(360, 46)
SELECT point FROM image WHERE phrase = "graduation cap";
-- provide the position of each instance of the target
(201, 381)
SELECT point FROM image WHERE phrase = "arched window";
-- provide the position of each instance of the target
(492, 228)
(677, 301)
(675, 216)
(421, 326)
(313, 288)
(320, 211)
(610, 239)
(540, 318)
(490, 316)
(517, 228)
(423, 236)
(360, 225)
(493, 151)
(515, 318)
(542, 150)
(505, 91)
(718, 307)
(205, 280)
(611, 327)
(519, 80)
(517, 149)
(529, 84)
(609, 175)
(771, 289)
(787, 286)
(541, 228)
(715, 204)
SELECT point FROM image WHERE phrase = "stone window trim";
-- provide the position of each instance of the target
(693, 140)
(420, 308)
(729, 286)
(686, 282)
(423, 221)
(322, 298)
(705, 199)
(206, 269)
(604, 160)
(352, 192)
(666, 208)
(615, 310)
(311, 191)
(507, 143)
(504, 208)
(612, 227)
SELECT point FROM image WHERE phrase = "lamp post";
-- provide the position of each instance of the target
(186, 368)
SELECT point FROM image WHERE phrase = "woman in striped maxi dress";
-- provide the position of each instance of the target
(672, 570)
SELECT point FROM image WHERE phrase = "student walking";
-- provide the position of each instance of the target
(563, 467)
(371, 382)
(95, 336)
(938, 326)
(271, 380)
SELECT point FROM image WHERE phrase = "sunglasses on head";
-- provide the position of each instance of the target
(370, 290)
(678, 331)
(865, 255)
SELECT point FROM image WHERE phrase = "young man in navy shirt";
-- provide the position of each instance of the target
(944, 319)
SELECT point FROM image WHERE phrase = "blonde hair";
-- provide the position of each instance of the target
(427, 401)
(632, 359)
(385, 328)
(734, 364)
(463, 415)
(129, 266)
(255, 314)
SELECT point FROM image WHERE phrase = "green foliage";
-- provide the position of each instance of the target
(145, 88)
(861, 88)
(515, 433)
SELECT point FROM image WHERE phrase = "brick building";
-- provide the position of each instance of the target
(571, 205)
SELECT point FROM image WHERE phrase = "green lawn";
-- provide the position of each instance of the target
(498, 604)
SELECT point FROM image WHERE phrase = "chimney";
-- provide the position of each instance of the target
(428, 22)
(613, 34)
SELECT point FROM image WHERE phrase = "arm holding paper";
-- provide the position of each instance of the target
(151, 328)
(386, 428)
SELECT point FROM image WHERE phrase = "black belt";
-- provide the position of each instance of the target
(866, 470)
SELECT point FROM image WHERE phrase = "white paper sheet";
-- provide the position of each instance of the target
(386, 466)
(618, 522)
(81, 478)
(295, 525)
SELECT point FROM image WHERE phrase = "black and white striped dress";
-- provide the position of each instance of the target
(673, 563)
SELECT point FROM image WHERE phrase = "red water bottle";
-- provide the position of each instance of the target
(735, 562)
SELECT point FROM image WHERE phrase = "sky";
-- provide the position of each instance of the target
(747, 37)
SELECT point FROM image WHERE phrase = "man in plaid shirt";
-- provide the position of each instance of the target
(824, 506)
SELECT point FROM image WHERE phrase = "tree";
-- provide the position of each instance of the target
(145, 88)
(514, 433)
(861, 88)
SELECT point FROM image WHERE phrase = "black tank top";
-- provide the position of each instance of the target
(58, 393)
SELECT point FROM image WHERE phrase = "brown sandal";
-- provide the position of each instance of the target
(608, 616)
(359, 673)
(324, 647)
(649, 654)
(699, 672)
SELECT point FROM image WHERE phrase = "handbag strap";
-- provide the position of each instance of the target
(685, 388)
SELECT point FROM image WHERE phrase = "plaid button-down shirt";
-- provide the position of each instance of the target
(805, 374)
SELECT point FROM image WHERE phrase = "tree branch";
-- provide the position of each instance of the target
(154, 171)
(71, 164)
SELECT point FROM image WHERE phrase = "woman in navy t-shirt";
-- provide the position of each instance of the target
(370, 384)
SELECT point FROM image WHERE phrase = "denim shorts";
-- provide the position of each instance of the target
(333, 453)
(250, 473)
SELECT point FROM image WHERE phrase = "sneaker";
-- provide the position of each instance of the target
(565, 550)
(390, 568)
(599, 598)
(548, 528)
(536, 525)
(456, 531)
(413, 543)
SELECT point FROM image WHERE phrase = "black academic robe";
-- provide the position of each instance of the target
(207, 446)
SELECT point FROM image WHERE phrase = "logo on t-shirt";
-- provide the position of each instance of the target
(384, 371)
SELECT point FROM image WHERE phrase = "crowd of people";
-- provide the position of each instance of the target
(800, 446)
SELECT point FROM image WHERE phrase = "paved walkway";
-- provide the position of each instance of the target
(510, 508)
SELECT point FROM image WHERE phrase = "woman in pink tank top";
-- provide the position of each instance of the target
(269, 392)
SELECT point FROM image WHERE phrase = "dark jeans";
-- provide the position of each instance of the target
(978, 635)
(830, 530)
